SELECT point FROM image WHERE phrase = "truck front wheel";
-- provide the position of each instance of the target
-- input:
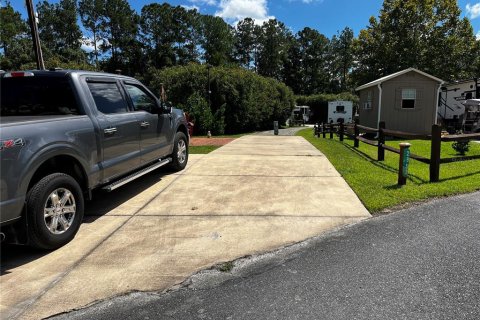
(54, 211)
(180, 152)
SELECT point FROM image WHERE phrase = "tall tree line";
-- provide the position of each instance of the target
(429, 35)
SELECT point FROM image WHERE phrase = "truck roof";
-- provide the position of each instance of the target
(65, 72)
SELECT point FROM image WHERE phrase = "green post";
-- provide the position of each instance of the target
(403, 163)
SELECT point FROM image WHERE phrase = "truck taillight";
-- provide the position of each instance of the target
(18, 74)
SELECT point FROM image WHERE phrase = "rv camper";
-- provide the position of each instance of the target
(471, 119)
(457, 108)
(301, 114)
(340, 111)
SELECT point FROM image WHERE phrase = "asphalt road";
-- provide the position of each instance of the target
(418, 263)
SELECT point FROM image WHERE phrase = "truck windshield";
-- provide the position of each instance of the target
(37, 96)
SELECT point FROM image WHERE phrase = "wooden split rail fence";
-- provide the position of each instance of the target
(355, 131)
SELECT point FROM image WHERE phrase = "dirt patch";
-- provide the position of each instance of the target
(209, 141)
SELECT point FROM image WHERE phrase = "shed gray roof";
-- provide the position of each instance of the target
(394, 75)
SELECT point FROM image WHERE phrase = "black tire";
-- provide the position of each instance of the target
(41, 198)
(179, 159)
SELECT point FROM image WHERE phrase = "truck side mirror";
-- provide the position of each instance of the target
(166, 107)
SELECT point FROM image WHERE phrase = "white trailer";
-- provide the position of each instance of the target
(451, 105)
(301, 113)
(471, 120)
(340, 111)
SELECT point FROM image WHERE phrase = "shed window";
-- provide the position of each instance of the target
(408, 98)
(340, 109)
(368, 103)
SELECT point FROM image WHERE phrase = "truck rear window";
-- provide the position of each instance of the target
(37, 96)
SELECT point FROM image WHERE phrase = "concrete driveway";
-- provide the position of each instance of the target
(253, 195)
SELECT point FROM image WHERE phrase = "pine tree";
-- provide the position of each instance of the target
(120, 28)
(59, 32)
(15, 43)
(216, 40)
(91, 13)
(273, 44)
(428, 35)
(245, 43)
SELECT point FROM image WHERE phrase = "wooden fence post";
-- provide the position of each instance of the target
(435, 153)
(342, 128)
(324, 129)
(331, 129)
(356, 133)
(381, 141)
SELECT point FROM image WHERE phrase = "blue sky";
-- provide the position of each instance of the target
(327, 16)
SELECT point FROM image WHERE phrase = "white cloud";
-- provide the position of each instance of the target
(473, 10)
(235, 10)
(478, 35)
(87, 44)
(306, 1)
(192, 7)
(204, 2)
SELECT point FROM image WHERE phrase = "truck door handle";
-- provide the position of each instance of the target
(145, 124)
(110, 130)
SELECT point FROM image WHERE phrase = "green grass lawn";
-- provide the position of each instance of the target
(201, 149)
(375, 182)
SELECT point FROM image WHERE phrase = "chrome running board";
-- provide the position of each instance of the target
(136, 175)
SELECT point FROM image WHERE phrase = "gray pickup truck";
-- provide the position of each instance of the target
(64, 133)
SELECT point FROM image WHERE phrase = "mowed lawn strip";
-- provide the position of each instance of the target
(375, 182)
(201, 149)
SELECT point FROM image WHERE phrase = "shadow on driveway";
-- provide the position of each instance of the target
(15, 255)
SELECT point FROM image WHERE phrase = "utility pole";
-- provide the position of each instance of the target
(35, 38)
(208, 84)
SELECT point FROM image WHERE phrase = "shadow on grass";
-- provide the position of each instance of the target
(459, 177)
(413, 178)
(393, 187)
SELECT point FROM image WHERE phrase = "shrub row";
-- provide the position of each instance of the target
(239, 100)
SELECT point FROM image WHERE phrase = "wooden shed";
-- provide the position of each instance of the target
(406, 101)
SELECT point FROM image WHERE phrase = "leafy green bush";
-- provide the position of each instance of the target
(200, 113)
(461, 147)
(240, 100)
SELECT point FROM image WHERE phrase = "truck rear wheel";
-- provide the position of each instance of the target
(54, 211)
(180, 152)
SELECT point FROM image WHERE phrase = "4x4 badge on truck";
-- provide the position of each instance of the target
(11, 143)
